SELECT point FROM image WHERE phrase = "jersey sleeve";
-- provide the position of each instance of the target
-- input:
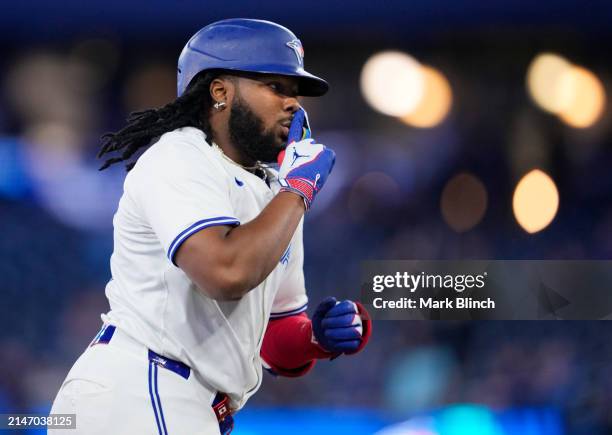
(180, 191)
(291, 297)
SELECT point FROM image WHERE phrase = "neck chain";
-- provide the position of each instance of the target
(258, 168)
(257, 164)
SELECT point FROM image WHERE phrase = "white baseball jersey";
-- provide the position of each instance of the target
(179, 186)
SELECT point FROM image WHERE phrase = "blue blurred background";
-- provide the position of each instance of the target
(469, 129)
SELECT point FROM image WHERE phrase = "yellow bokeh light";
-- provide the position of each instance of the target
(544, 78)
(535, 201)
(571, 92)
(392, 83)
(463, 202)
(584, 97)
(435, 102)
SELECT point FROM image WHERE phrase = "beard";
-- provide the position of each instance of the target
(248, 135)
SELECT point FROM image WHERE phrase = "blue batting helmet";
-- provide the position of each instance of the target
(241, 44)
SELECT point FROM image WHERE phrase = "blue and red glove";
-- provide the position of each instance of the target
(341, 327)
(304, 164)
(300, 127)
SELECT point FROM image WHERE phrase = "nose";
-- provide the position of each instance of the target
(291, 104)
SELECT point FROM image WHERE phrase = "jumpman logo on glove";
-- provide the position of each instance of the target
(297, 156)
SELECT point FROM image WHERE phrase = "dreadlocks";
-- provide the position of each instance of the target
(190, 109)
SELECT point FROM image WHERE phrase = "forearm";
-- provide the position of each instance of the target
(256, 247)
(225, 263)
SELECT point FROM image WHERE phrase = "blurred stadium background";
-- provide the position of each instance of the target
(464, 130)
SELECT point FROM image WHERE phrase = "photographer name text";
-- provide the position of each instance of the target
(435, 304)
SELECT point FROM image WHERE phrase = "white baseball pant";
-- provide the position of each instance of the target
(120, 388)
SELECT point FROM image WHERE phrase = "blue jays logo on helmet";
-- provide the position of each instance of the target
(297, 48)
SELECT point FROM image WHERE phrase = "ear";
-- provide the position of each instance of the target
(222, 89)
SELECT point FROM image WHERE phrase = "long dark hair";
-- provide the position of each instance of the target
(190, 109)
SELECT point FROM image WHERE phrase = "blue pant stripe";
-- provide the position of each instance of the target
(152, 399)
(159, 406)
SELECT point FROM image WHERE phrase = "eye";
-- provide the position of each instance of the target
(282, 89)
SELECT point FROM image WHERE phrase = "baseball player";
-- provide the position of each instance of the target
(207, 283)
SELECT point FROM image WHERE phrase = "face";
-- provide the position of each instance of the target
(261, 113)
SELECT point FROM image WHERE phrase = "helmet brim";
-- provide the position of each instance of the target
(309, 85)
(312, 86)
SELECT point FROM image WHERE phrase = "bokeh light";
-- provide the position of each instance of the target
(572, 92)
(535, 201)
(544, 78)
(463, 202)
(583, 96)
(392, 83)
(435, 102)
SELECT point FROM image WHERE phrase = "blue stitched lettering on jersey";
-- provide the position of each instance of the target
(238, 182)
(285, 257)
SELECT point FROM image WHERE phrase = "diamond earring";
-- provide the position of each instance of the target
(219, 105)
